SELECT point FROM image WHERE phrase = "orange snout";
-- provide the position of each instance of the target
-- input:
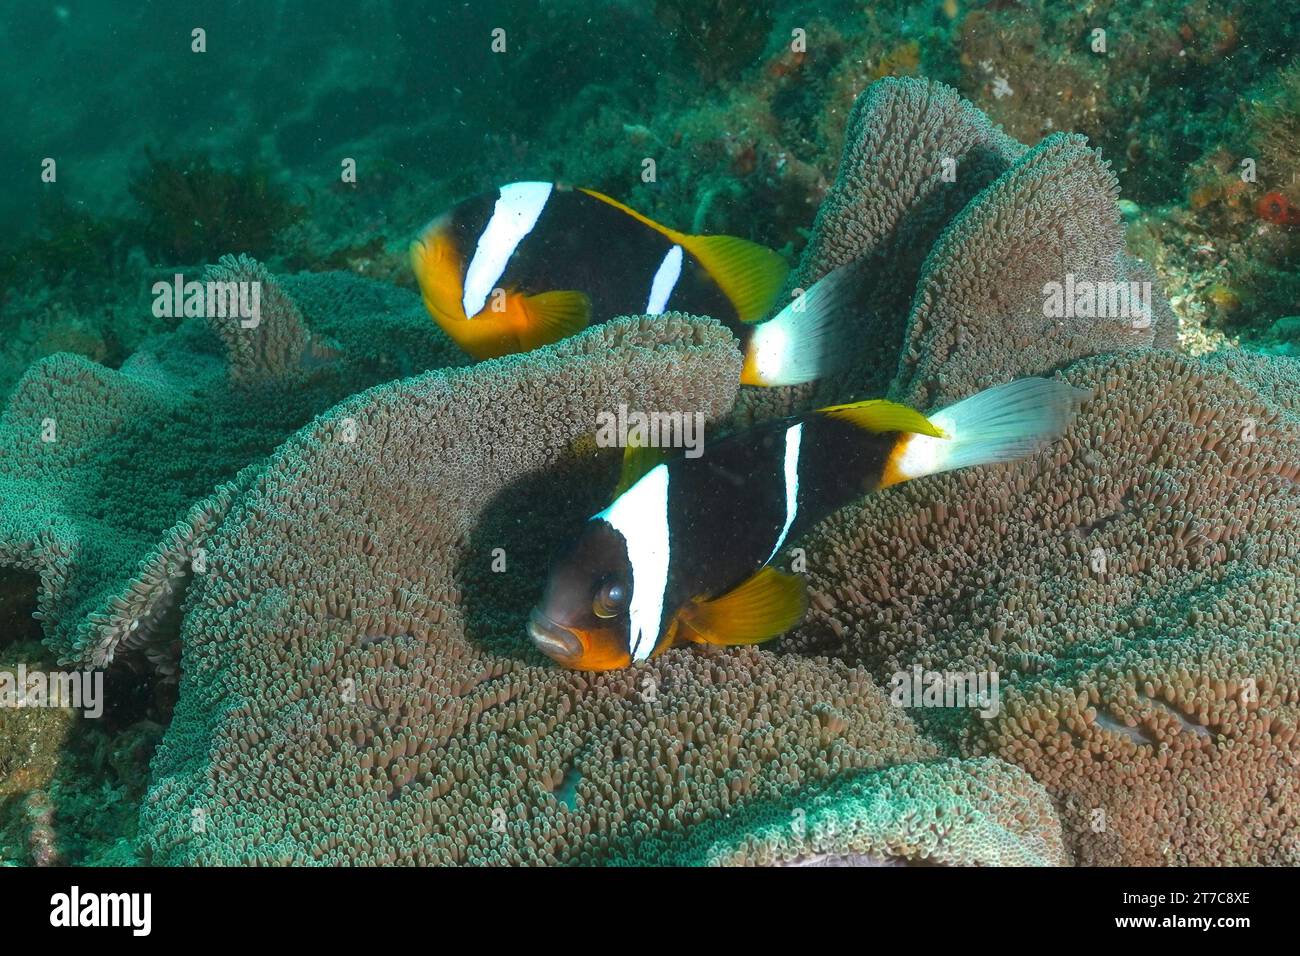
(578, 649)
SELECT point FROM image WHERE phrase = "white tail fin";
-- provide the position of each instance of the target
(1002, 423)
(804, 340)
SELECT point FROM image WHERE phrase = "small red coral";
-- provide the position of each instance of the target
(1275, 208)
(787, 64)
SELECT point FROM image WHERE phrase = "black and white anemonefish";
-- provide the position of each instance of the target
(532, 263)
(685, 552)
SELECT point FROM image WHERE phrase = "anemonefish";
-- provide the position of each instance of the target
(685, 552)
(533, 263)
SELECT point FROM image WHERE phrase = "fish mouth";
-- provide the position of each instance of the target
(556, 642)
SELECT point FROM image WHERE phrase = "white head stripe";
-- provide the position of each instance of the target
(640, 515)
(513, 217)
(793, 436)
(661, 289)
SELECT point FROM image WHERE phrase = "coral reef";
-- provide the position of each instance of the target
(111, 479)
(979, 812)
(1119, 73)
(188, 499)
(1238, 239)
(719, 38)
(1274, 130)
(1136, 590)
(958, 229)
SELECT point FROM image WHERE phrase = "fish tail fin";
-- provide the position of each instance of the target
(999, 424)
(806, 340)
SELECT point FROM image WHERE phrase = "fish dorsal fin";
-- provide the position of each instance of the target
(672, 234)
(637, 461)
(878, 415)
(749, 275)
(551, 316)
(763, 607)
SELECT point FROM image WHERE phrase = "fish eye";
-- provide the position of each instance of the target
(609, 599)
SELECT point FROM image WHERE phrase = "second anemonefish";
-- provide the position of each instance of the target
(533, 263)
(685, 552)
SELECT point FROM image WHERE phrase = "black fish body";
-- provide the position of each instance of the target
(728, 508)
(584, 243)
(685, 552)
(533, 262)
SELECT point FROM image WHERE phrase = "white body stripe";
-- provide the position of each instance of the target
(793, 438)
(661, 289)
(514, 216)
(640, 515)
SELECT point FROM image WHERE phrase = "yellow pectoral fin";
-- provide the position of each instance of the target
(551, 316)
(437, 269)
(878, 415)
(763, 607)
(749, 275)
